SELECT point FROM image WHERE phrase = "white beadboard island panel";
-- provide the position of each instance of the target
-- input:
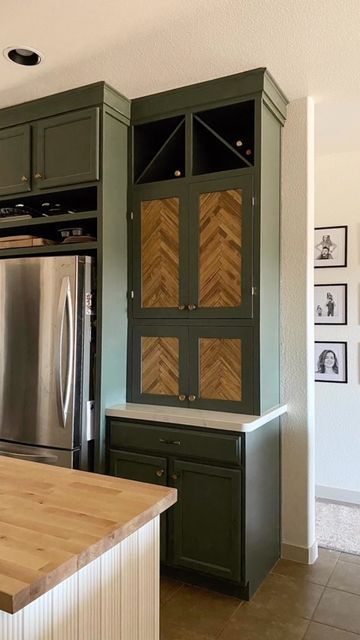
(115, 597)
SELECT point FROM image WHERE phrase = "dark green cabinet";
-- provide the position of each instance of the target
(15, 160)
(67, 149)
(204, 223)
(193, 250)
(203, 367)
(50, 152)
(142, 468)
(224, 530)
(205, 522)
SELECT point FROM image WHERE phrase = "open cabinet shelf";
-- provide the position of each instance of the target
(159, 150)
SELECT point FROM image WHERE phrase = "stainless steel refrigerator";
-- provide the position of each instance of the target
(45, 335)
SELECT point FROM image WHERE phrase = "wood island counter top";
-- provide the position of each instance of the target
(54, 521)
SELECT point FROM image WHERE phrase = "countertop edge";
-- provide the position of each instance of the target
(241, 423)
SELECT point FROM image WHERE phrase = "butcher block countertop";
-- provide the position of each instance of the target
(54, 521)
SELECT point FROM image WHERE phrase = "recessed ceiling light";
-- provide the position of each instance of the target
(23, 55)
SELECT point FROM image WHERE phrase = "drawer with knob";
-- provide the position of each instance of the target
(175, 441)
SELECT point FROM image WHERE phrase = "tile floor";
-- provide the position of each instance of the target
(295, 602)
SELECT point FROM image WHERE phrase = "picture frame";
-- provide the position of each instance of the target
(331, 362)
(330, 247)
(330, 303)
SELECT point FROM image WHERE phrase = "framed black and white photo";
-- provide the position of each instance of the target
(330, 304)
(330, 247)
(330, 361)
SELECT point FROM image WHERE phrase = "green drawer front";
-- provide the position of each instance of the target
(175, 441)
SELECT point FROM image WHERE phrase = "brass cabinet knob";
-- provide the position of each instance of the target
(160, 472)
(182, 397)
(191, 307)
(239, 143)
(24, 179)
(192, 397)
(177, 173)
(38, 175)
(174, 476)
(181, 307)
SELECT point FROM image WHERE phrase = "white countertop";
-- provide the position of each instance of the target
(195, 417)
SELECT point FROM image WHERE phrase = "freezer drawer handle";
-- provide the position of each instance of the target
(29, 456)
(65, 305)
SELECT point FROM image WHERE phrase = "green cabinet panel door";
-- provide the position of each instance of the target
(15, 165)
(205, 522)
(221, 248)
(221, 368)
(160, 253)
(67, 149)
(160, 365)
(142, 468)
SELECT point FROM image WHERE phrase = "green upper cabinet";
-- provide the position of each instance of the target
(193, 249)
(67, 149)
(15, 160)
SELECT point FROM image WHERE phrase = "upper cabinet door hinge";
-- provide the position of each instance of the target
(253, 201)
(131, 215)
(254, 291)
(131, 293)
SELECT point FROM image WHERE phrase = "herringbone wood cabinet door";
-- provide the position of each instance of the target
(220, 244)
(160, 366)
(160, 253)
(220, 374)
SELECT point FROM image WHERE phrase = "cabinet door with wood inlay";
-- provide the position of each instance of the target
(221, 248)
(160, 365)
(221, 370)
(160, 252)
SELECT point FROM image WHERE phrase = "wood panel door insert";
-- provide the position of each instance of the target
(159, 262)
(221, 246)
(160, 370)
(160, 253)
(221, 368)
(160, 361)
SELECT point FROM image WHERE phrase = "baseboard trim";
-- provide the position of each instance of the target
(338, 495)
(304, 555)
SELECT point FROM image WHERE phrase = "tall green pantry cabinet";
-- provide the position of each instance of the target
(204, 227)
(204, 208)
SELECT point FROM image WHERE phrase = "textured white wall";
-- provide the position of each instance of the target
(297, 331)
(338, 405)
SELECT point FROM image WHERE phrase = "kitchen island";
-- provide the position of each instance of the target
(79, 554)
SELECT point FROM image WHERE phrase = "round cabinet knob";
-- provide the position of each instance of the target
(248, 152)
(24, 179)
(177, 173)
(192, 397)
(174, 476)
(160, 472)
(182, 397)
(239, 143)
(38, 175)
(181, 307)
(191, 307)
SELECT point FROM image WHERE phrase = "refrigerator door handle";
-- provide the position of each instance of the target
(64, 309)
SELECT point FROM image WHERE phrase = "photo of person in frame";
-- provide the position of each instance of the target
(327, 362)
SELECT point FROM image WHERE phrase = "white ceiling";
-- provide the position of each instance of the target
(311, 47)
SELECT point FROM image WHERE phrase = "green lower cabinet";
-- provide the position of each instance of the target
(205, 522)
(142, 468)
